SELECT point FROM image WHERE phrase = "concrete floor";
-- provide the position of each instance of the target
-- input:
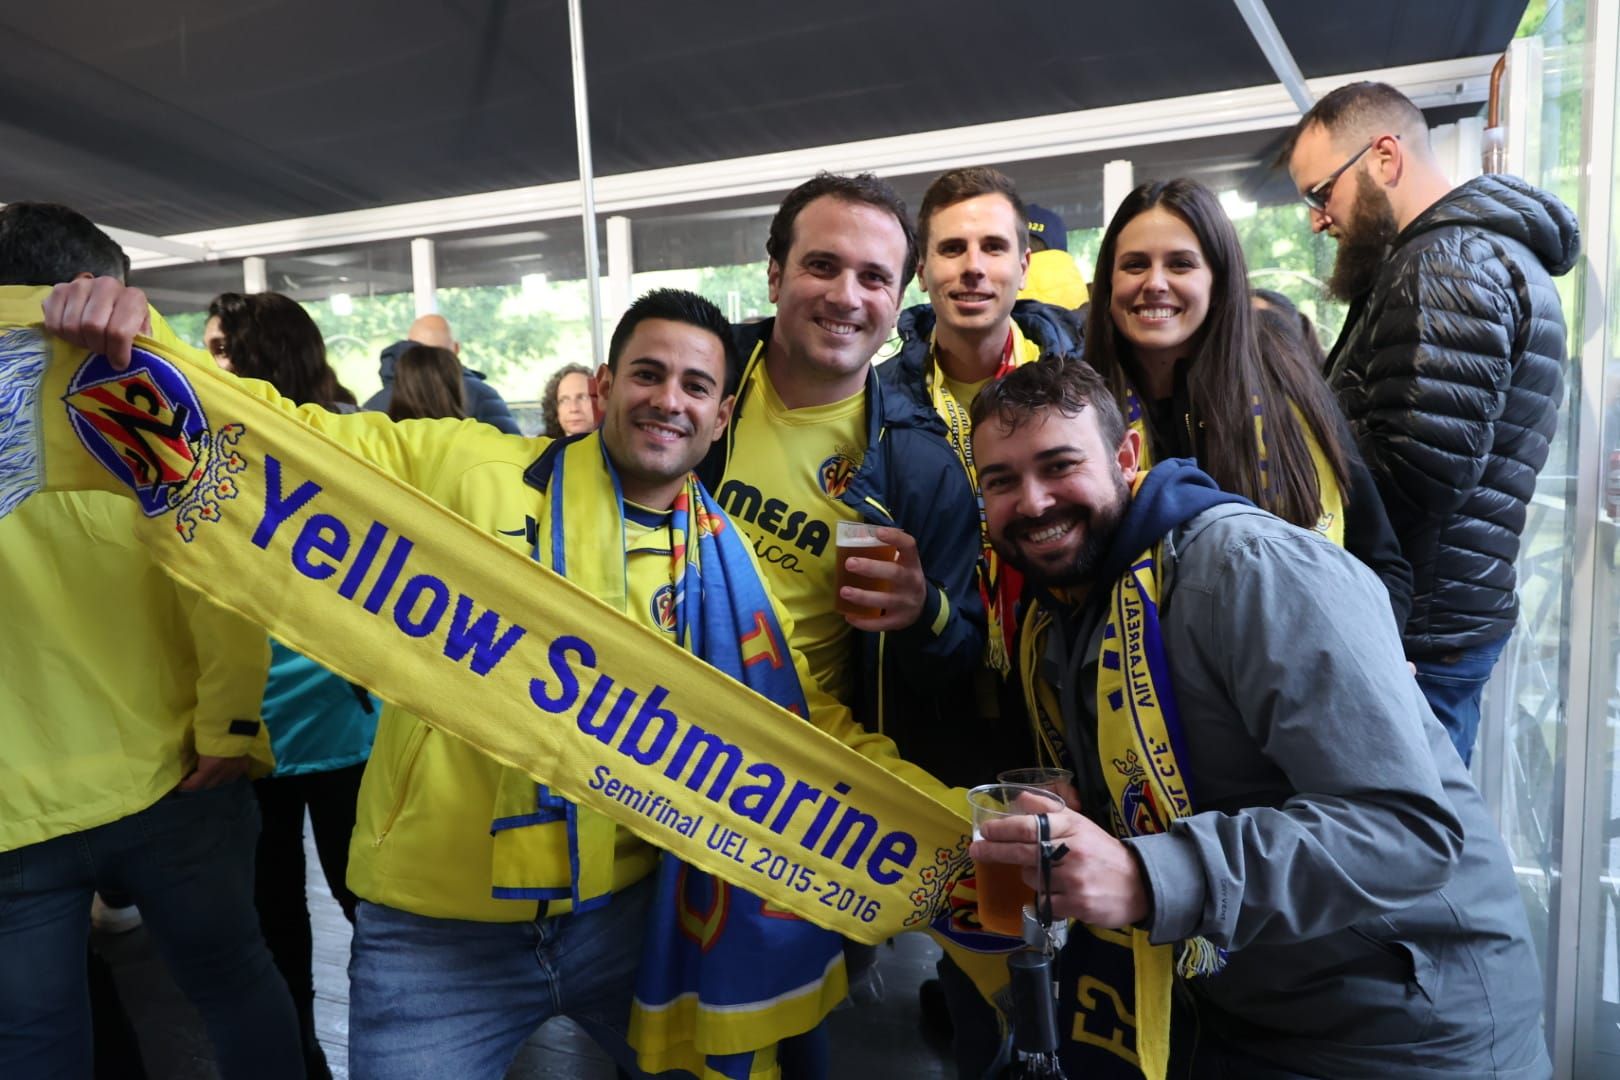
(882, 1041)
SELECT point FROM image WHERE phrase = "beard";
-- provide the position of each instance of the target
(1363, 242)
(1101, 524)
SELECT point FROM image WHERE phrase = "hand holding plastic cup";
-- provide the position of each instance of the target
(1001, 888)
(859, 539)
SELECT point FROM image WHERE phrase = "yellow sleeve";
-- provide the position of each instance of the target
(233, 662)
(835, 718)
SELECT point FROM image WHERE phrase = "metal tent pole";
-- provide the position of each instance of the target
(1258, 17)
(587, 180)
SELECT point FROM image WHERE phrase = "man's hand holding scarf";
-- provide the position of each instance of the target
(99, 314)
(1097, 880)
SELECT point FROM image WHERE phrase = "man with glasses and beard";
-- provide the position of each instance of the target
(1268, 813)
(1450, 365)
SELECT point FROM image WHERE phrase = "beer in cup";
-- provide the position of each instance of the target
(1049, 778)
(1001, 888)
(859, 539)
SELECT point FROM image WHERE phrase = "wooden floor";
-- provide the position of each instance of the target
(881, 1040)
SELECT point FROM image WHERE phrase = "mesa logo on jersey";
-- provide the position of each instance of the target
(146, 427)
(835, 473)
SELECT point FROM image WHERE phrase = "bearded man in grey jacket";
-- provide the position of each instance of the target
(1262, 786)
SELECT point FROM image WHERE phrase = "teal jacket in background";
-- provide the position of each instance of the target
(318, 721)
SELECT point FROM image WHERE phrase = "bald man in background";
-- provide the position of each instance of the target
(484, 402)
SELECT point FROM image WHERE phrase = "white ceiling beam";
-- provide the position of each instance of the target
(1258, 108)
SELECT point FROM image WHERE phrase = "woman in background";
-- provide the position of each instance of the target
(567, 404)
(427, 385)
(321, 725)
(1272, 300)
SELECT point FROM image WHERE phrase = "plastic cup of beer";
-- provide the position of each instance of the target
(1001, 888)
(859, 539)
(1048, 778)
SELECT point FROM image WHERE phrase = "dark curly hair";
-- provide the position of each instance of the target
(864, 189)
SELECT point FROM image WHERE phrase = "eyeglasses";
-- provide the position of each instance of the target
(1317, 195)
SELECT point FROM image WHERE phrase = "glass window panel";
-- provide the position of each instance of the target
(1523, 753)
(1566, 86)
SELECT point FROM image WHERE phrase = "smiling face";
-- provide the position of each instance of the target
(836, 294)
(574, 414)
(972, 267)
(662, 407)
(1054, 493)
(1161, 286)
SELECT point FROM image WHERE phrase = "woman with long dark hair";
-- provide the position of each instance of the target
(321, 725)
(271, 337)
(1172, 329)
(427, 385)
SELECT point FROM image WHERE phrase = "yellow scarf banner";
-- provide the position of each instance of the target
(370, 578)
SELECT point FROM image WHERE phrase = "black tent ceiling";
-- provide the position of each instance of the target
(177, 115)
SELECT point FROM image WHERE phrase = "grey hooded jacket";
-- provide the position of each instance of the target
(1339, 849)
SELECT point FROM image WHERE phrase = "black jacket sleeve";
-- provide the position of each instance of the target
(1369, 536)
(485, 403)
(933, 501)
(1437, 380)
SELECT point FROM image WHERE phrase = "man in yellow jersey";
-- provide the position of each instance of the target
(974, 236)
(816, 440)
(489, 903)
(131, 714)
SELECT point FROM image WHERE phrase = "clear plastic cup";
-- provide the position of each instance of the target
(1001, 888)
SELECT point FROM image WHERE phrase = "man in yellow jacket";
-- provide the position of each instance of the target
(471, 932)
(130, 708)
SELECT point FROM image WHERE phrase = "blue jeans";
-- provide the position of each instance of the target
(1453, 685)
(187, 862)
(435, 998)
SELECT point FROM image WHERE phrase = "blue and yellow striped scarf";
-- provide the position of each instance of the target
(704, 1002)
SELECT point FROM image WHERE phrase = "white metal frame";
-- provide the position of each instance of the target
(1256, 108)
(424, 276)
(1580, 907)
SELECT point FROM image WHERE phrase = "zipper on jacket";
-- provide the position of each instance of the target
(412, 752)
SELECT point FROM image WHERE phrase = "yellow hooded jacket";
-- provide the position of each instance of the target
(116, 677)
(1054, 278)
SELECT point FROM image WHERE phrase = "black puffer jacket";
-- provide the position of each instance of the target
(1451, 371)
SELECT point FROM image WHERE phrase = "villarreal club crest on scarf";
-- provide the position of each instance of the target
(146, 426)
